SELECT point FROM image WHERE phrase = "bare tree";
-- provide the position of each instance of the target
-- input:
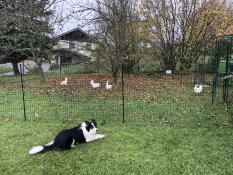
(177, 26)
(114, 24)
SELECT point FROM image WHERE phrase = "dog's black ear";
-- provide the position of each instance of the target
(89, 126)
(94, 122)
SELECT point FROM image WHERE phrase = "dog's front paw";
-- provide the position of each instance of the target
(100, 136)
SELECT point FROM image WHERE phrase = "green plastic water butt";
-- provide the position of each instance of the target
(222, 66)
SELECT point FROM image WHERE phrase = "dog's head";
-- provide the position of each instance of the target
(91, 126)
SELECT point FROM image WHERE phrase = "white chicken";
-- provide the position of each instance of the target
(64, 82)
(94, 85)
(108, 86)
(198, 88)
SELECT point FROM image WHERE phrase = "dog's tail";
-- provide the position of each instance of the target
(41, 149)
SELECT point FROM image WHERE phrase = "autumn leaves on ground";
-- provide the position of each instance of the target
(165, 99)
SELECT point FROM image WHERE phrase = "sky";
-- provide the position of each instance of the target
(65, 6)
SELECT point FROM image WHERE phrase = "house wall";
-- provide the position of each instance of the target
(30, 65)
(74, 59)
(80, 47)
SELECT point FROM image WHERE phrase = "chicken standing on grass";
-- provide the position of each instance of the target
(94, 85)
(65, 82)
(108, 86)
(198, 88)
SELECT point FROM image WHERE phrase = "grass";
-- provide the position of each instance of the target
(127, 149)
(168, 130)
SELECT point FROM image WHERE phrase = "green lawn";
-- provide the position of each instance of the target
(168, 129)
(127, 149)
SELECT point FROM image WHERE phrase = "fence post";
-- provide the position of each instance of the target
(22, 87)
(60, 68)
(123, 93)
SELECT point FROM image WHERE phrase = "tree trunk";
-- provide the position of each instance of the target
(170, 65)
(169, 60)
(40, 71)
(115, 71)
(15, 68)
(128, 67)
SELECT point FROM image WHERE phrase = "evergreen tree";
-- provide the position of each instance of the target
(25, 32)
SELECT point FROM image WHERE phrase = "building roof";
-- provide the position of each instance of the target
(75, 34)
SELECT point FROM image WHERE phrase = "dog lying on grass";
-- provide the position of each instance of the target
(68, 138)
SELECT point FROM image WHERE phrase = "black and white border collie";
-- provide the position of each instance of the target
(68, 138)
